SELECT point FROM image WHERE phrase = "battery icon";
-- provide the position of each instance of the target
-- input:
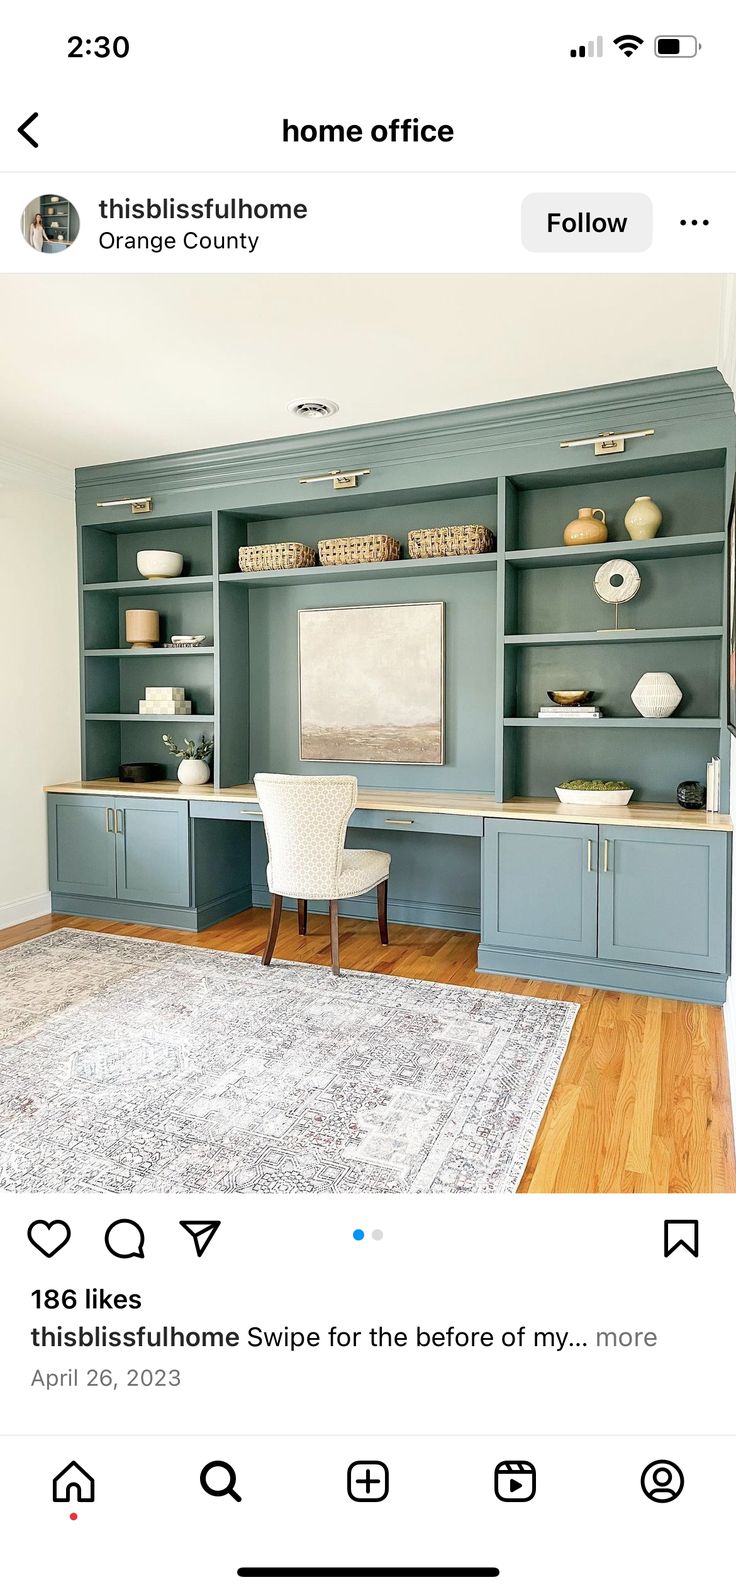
(678, 46)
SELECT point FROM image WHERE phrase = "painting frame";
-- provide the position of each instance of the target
(374, 609)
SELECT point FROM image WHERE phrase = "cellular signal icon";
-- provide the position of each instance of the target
(593, 47)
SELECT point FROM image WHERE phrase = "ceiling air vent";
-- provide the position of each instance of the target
(312, 408)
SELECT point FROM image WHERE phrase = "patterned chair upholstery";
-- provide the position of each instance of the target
(306, 818)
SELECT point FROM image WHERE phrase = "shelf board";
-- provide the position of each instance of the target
(176, 583)
(335, 572)
(150, 718)
(147, 652)
(600, 552)
(683, 723)
(568, 637)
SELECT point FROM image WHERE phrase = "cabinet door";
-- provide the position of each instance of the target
(663, 897)
(540, 885)
(152, 842)
(81, 846)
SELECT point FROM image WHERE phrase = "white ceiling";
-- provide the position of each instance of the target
(112, 367)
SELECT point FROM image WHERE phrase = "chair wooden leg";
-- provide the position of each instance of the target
(334, 939)
(301, 908)
(277, 902)
(382, 893)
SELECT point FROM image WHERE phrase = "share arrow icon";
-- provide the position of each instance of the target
(202, 1233)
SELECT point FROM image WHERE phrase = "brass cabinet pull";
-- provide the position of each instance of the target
(109, 820)
(406, 821)
(590, 856)
(119, 821)
(605, 856)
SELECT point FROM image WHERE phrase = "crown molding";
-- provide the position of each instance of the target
(27, 470)
(619, 405)
(727, 337)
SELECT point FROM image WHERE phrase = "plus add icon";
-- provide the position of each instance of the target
(368, 1481)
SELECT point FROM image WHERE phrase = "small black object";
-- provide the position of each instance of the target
(140, 773)
(691, 794)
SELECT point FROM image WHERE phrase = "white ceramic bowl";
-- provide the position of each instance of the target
(594, 798)
(157, 564)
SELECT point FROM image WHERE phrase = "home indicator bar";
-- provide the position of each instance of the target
(465, 1571)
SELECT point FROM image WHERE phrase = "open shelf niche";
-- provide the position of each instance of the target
(114, 675)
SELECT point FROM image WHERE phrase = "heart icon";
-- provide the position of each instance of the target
(49, 1237)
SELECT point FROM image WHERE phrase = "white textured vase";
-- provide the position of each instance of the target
(643, 519)
(194, 771)
(656, 696)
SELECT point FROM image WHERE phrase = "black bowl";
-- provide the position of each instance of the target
(139, 773)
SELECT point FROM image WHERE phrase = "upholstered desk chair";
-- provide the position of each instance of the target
(305, 818)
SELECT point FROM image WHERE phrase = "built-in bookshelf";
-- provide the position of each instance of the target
(520, 620)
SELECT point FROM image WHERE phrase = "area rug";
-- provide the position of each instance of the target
(129, 1065)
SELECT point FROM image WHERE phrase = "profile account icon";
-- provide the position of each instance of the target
(662, 1481)
(74, 1485)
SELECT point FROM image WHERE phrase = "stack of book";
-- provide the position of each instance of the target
(165, 699)
(584, 711)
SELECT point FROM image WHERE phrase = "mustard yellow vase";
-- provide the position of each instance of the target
(586, 528)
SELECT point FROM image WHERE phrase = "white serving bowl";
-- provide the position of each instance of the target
(594, 798)
(157, 564)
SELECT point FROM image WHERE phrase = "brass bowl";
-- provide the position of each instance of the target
(568, 699)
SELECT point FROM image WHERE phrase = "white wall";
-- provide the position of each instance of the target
(38, 670)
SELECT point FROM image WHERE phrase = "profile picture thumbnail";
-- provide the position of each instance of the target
(50, 223)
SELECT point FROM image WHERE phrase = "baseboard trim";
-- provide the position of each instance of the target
(13, 912)
(635, 979)
(193, 918)
(426, 915)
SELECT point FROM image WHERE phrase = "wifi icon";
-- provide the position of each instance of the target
(628, 43)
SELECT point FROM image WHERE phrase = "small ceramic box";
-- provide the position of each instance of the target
(165, 693)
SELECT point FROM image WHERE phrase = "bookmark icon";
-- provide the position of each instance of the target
(202, 1233)
(681, 1234)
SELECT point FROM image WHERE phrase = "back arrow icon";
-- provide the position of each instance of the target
(24, 125)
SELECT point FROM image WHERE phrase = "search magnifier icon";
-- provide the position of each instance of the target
(218, 1479)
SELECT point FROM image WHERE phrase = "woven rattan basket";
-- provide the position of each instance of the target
(276, 555)
(448, 540)
(359, 550)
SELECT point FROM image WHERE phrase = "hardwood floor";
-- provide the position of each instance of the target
(642, 1101)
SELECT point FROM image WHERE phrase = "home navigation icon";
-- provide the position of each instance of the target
(74, 1485)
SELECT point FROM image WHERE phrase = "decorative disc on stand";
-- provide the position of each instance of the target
(617, 581)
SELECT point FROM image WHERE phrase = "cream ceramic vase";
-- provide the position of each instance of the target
(586, 528)
(194, 771)
(643, 519)
(655, 696)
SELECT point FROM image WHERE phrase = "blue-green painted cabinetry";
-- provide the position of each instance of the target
(539, 886)
(132, 850)
(82, 846)
(663, 898)
(152, 852)
(139, 860)
(616, 906)
(519, 620)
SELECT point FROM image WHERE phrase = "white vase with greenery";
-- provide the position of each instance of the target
(194, 768)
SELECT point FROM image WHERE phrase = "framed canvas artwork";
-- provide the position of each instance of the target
(371, 684)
